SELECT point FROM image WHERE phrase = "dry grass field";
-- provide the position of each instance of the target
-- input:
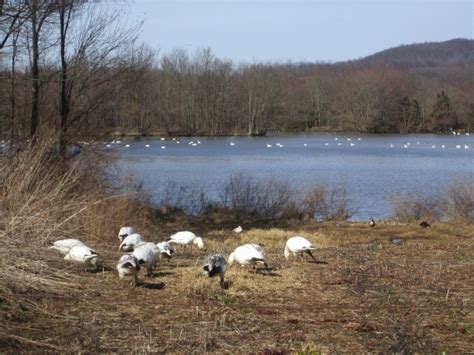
(366, 295)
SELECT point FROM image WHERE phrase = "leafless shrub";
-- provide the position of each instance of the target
(265, 199)
(272, 199)
(454, 203)
(190, 199)
(415, 208)
(458, 199)
(327, 204)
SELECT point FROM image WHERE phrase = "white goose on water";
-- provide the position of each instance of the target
(85, 255)
(147, 255)
(185, 238)
(215, 265)
(64, 245)
(129, 242)
(298, 246)
(125, 232)
(128, 265)
(248, 254)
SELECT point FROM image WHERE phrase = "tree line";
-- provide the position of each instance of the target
(74, 69)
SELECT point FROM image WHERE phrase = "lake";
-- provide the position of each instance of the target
(373, 167)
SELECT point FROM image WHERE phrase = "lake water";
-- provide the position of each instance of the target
(373, 167)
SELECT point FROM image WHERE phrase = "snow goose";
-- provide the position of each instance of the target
(125, 232)
(147, 255)
(166, 250)
(248, 254)
(129, 242)
(215, 265)
(128, 265)
(186, 238)
(237, 229)
(65, 245)
(85, 255)
(297, 246)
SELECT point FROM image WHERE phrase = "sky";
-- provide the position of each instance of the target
(263, 30)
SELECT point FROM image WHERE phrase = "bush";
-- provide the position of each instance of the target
(264, 199)
(327, 204)
(458, 199)
(454, 203)
(415, 208)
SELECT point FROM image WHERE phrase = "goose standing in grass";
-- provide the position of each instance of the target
(424, 224)
(129, 242)
(65, 245)
(298, 246)
(237, 230)
(371, 222)
(216, 265)
(85, 255)
(166, 250)
(125, 232)
(248, 254)
(185, 238)
(128, 265)
(147, 255)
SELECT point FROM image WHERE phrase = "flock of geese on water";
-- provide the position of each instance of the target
(338, 142)
(143, 254)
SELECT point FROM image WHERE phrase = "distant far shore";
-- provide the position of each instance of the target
(123, 133)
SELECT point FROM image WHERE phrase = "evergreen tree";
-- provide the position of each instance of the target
(444, 116)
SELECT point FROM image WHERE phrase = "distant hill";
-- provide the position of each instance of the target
(429, 54)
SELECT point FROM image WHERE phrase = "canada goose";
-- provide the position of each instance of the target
(425, 224)
(216, 265)
(372, 222)
(298, 246)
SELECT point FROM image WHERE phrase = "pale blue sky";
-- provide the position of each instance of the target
(299, 30)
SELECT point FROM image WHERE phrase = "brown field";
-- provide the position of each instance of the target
(368, 295)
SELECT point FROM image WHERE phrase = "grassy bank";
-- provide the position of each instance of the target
(368, 295)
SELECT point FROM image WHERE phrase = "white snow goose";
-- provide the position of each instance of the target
(298, 246)
(85, 255)
(129, 242)
(128, 265)
(64, 245)
(185, 238)
(216, 265)
(166, 250)
(147, 255)
(237, 230)
(248, 254)
(125, 232)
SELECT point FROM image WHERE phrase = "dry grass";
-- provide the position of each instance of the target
(370, 296)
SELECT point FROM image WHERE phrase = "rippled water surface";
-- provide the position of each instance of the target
(373, 167)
